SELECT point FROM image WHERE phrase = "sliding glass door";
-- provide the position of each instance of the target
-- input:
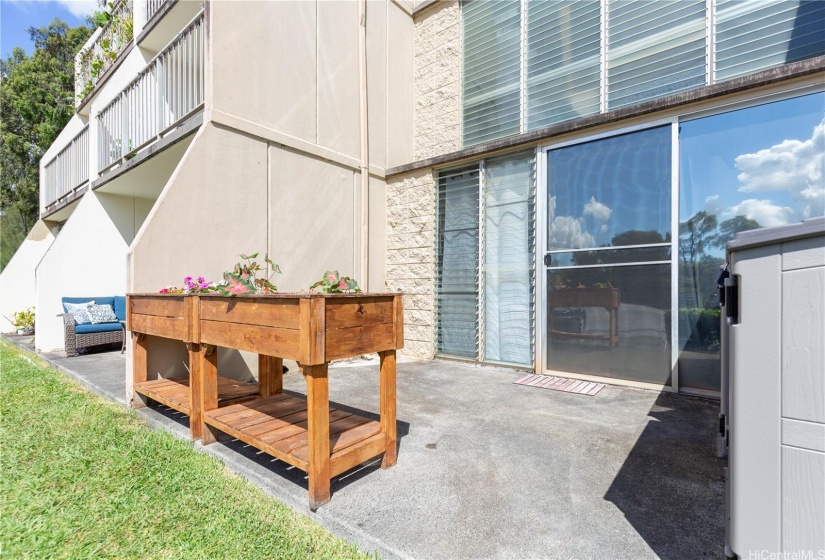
(608, 258)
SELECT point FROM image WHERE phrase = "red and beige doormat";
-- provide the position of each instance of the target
(563, 384)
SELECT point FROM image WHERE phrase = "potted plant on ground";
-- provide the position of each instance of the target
(24, 321)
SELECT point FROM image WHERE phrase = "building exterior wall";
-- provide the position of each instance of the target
(88, 258)
(438, 80)
(17, 286)
(410, 256)
(309, 99)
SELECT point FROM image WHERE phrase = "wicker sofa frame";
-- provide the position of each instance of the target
(75, 341)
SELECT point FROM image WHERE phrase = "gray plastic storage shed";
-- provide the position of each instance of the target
(775, 303)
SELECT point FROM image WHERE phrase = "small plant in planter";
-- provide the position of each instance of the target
(198, 285)
(334, 283)
(24, 321)
(244, 277)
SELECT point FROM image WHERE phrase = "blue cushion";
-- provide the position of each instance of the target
(99, 327)
(120, 307)
(98, 300)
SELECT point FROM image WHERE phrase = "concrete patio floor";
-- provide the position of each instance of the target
(489, 469)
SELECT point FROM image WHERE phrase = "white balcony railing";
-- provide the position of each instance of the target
(165, 93)
(69, 169)
(152, 7)
(93, 61)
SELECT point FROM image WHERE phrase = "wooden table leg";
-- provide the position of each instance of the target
(388, 415)
(318, 434)
(195, 390)
(207, 371)
(270, 375)
(140, 368)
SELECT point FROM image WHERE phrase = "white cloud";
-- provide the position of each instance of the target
(794, 166)
(764, 211)
(598, 210)
(79, 8)
(712, 205)
(566, 233)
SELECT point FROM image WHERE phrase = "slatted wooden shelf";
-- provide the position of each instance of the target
(176, 393)
(277, 425)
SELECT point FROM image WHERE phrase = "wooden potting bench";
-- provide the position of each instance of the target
(311, 329)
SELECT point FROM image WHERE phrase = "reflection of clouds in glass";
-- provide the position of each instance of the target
(713, 206)
(763, 211)
(795, 166)
(566, 231)
(598, 210)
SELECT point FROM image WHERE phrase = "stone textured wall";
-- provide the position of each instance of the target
(437, 80)
(411, 254)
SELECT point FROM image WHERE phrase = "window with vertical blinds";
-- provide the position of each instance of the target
(509, 258)
(654, 49)
(563, 60)
(487, 314)
(456, 274)
(492, 69)
(753, 36)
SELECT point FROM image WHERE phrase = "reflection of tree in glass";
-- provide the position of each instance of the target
(627, 239)
(608, 276)
(729, 228)
(699, 269)
(695, 234)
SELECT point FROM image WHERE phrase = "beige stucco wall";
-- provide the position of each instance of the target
(438, 80)
(292, 70)
(87, 258)
(17, 287)
(410, 256)
(313, 224)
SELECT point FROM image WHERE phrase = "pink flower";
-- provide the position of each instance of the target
(342, 285)
(332, 277)
(164, 291)
(187, 279)
(201, 279)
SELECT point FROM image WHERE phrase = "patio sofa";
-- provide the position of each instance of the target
(93, 334)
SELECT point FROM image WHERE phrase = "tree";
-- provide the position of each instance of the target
(36, 102)
(731, 227)
(11, 235)
(695, 235)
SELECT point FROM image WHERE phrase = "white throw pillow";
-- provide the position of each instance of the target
(80, 312)
(102, 314)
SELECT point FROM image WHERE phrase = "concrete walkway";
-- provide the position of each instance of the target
(488, 469)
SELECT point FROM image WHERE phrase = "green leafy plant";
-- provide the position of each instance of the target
(334, 283)
(118, 31)
(244, 277)
(24, 320)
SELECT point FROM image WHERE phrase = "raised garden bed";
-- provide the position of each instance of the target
(311, 329)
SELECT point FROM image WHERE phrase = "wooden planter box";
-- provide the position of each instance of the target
(310, 329)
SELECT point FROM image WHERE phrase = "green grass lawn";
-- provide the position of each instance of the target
(83, 478)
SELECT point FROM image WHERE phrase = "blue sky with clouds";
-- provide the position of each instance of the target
(16, 16)
(765, 162)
